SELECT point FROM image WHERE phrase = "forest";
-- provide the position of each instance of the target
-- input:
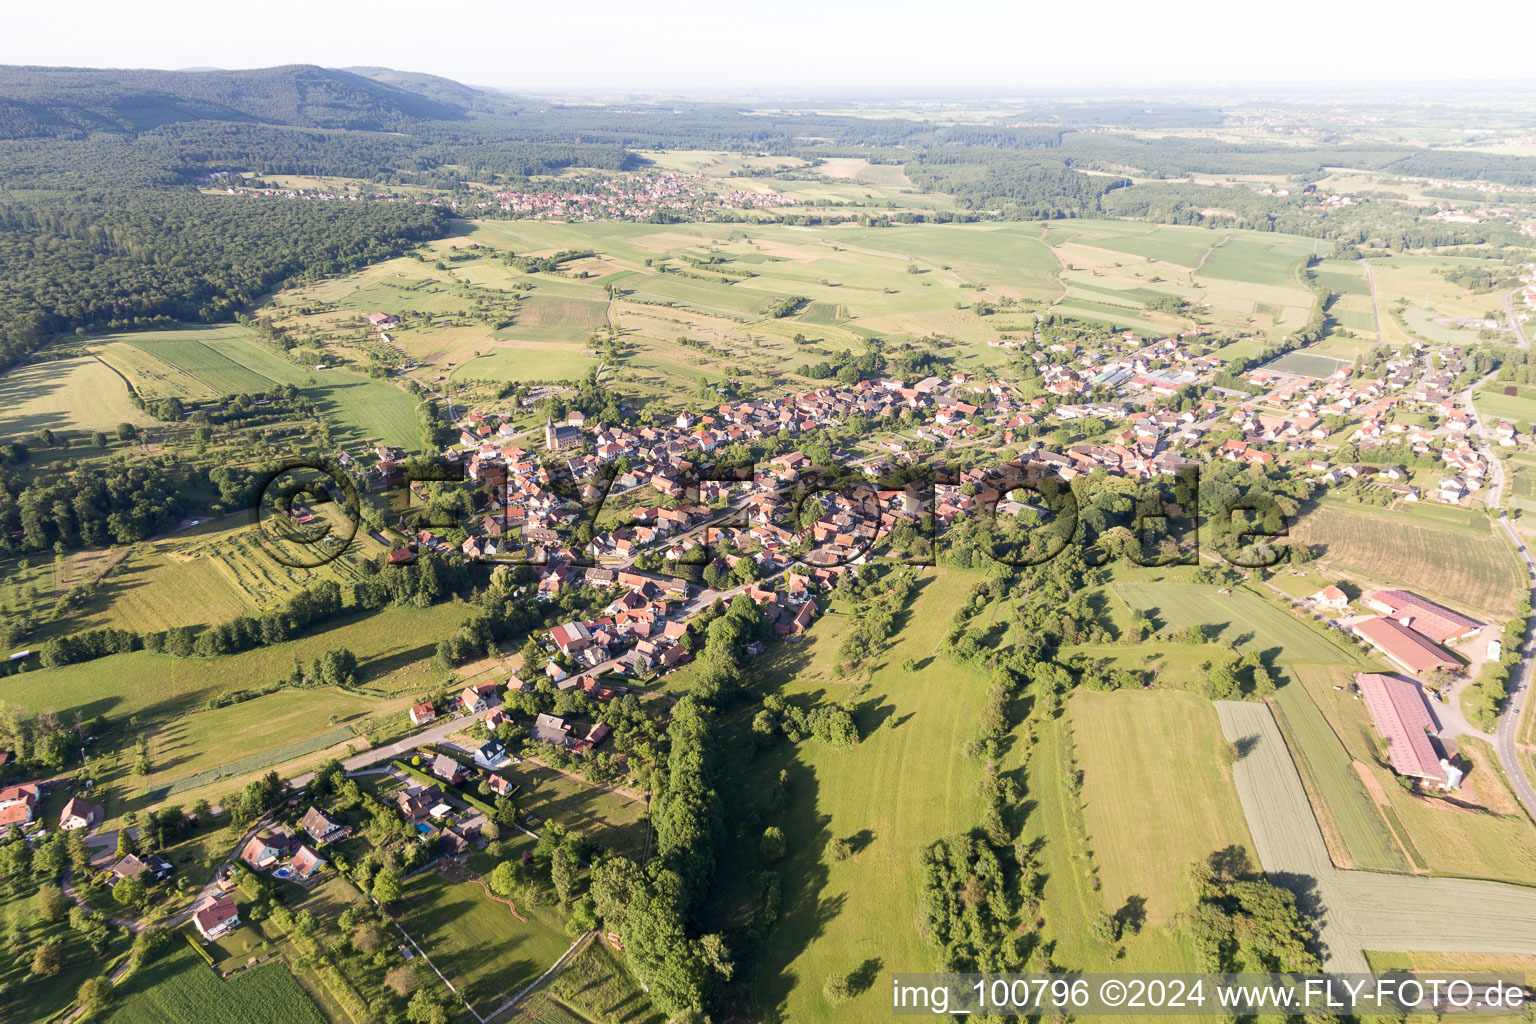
(119, 260)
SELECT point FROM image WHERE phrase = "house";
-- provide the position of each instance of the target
(1402, 719)
(381, 321)
(551, 729)
(263, 851)
(79, 814)
(417, 804)
(423, 713)
(129, 867)
(157, 868)
(500, 786)
(305, 862)
(447, 769)
(1331, 597)
(321, 828)
(478, 698)
(216, 916)
(492, 755)
(571, 638)
(17, 804)
(1409, 651)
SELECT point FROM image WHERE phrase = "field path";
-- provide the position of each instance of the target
(1370, 279)
(1360, 910)
(1514, 321)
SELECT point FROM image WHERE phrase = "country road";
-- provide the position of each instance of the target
(1358, 911)
(1507, 735)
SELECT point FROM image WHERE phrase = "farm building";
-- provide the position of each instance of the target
(1403, 647)
(1331, 597)
(1402, 719)
(1422, 615)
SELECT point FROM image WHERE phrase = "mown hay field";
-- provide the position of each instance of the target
(81, 394)
(1157, 794)
(1241, 617)
(1450, 557)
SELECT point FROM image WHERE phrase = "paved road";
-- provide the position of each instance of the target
(431, 734)
(1508, 732)
(1359, 910)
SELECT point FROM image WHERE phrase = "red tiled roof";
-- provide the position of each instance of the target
(213, 912)
(1397, 706)
(1413, 652)
(1424, 616)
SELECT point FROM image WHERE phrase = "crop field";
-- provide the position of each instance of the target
(1162, 243)
(1153, 779)
(1241, 617)
(1412, 281)
(890, 792)
(1257, 259)
(193, 361)
(484, 950)
(520, 360)
(361, 409)
(179, 987)
(1365, 834)
(81, 394)
(207, 362)
(854, 169)
(1450, 555)
(1365, 910)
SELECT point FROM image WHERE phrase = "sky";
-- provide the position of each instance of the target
(799, 45)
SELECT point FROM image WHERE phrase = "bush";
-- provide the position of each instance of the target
(772, 844)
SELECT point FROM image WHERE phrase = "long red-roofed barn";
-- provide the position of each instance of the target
(1422, 615)
(1402, 719)
(1408, 650)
